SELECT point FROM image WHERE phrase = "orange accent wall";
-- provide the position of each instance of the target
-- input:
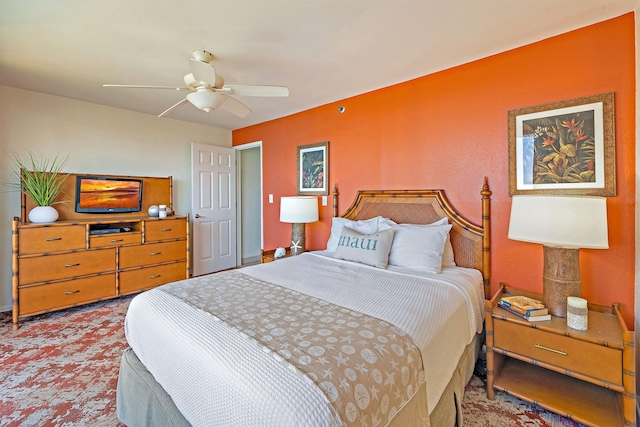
(449, 130)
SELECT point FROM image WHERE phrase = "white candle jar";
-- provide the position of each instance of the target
(577, 313)
(162, 211)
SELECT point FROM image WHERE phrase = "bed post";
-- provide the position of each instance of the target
(335, 200)
(486, 240)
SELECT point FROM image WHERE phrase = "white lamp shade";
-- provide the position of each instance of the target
(560, 221)
(206, 100)
(298, 209)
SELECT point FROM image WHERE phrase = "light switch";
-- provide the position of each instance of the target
(270, 198)
(324, 200)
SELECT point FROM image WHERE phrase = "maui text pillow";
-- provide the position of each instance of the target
(371, 249)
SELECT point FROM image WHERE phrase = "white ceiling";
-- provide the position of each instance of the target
(323, 50)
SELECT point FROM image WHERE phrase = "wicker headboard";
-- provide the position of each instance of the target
(471, 244)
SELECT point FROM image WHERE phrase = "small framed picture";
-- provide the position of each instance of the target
(313, 169)
(565, 147)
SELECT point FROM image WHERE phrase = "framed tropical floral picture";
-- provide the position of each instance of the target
(313, 169)
(565, 147)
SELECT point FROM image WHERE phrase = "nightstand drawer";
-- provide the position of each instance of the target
(591, 359)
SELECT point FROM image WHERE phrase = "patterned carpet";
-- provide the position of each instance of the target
(61, 369)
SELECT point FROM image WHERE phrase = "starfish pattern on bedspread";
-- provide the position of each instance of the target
(367, 368)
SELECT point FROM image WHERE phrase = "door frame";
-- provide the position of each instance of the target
(239, 149)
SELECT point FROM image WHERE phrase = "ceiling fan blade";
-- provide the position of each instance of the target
(173, 107)
(205, 73)
(147, 87)
(236, 107)
(256, 90)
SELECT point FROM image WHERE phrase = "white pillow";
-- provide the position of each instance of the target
(363, 226)
(371, 249)
(447, 255)
(419, 246)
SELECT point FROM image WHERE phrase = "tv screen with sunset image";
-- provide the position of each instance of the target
(108, 195)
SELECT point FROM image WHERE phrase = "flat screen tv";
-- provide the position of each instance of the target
(99, 194)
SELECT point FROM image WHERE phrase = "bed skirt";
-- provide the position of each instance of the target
(141, 401)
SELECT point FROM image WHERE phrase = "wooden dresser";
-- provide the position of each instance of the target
(64, 264)
(73, 261)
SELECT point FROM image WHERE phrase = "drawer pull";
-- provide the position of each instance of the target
(71, 265)
(541, 347)
(116, 240)
(155, 277)
(53, 239)
(166, 229)
(72, 292)
(155, 253)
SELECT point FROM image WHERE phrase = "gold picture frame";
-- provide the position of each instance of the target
(565, 147)
(313, 169)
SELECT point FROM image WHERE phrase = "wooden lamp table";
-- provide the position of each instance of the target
(587, 376)
(269, 255)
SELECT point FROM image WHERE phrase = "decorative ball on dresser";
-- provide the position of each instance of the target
(153, 211)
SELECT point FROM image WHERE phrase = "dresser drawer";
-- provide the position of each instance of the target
(63, 294)
(586, 358)
(164, 229)
(153, 253)
(115, 239)
(52, 239)
(149, 277)
(62, 266)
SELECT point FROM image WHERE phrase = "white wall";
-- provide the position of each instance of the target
(98, 139)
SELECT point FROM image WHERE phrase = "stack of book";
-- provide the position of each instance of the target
(527, 308)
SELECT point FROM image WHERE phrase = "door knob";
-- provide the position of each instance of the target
(198, 216)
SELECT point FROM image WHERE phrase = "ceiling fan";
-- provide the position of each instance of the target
(208, 91)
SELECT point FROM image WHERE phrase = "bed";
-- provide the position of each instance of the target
(324, 338)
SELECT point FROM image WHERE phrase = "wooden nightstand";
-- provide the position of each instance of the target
(587, 376)
(268, 256)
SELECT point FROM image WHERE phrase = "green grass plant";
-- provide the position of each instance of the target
(40, 178)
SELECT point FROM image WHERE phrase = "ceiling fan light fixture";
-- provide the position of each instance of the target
(206, 100)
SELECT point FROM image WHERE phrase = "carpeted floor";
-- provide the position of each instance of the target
(61, 369)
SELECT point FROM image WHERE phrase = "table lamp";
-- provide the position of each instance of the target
(563, 225)
(298, 210)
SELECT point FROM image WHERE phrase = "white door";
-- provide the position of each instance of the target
(213, 205)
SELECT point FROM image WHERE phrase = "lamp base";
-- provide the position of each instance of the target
(561, 278)
(298, 239)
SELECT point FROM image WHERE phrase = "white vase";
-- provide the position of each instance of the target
(43, 214)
